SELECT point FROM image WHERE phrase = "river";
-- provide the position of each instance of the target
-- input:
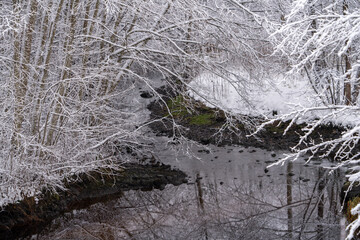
(230, 195)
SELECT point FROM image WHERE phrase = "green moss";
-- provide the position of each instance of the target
(199, 114)
(275, 128)
(279, 127)
(350, 205)
(56, 196)
(176, 102)
(203, 119)
(177, 107)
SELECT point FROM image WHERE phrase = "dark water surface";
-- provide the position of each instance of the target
(230, 195)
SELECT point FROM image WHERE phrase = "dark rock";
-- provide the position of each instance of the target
(269, 161)
(205, 141)
(146, 94)
(204, 150)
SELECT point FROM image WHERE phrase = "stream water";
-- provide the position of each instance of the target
(230, 195)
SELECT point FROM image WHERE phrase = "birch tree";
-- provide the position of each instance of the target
(70, 68)
(320, 39)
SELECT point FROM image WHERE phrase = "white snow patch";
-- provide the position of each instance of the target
(278, 94)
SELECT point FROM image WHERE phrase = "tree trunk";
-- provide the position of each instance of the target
(21, 81)
(65, 75)
(16, 76)
(347, 81)
(37, 75)
(86, 55)
(356, 87)
(45, 75)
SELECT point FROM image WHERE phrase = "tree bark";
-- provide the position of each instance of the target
(22, 79)
(36, 77)
(16, 76)
(347, 81)
(65, 75)
(45, 75)
(356, 87)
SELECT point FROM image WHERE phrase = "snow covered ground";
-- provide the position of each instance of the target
(273, 95)
(279, 93)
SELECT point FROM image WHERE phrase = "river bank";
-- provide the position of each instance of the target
(33, 214)
(206, 125)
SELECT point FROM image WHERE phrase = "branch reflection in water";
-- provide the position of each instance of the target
(289, 202)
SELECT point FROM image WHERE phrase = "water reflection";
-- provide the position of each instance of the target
(230, 198)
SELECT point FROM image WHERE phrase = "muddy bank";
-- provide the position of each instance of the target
(31, 216)
(203, 125)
